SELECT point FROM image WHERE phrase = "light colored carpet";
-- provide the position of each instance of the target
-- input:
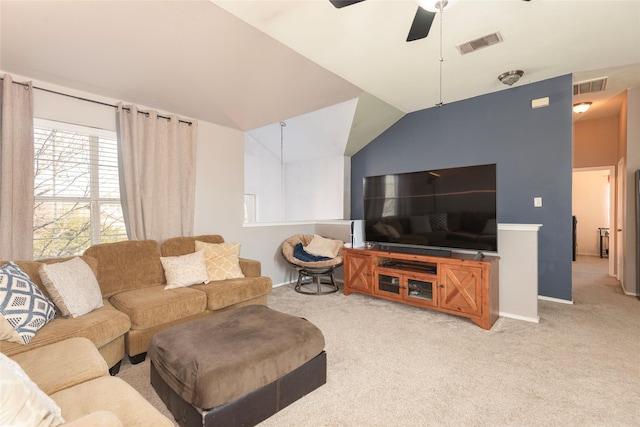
(395, 365)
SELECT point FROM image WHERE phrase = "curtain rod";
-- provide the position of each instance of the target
(94, 101)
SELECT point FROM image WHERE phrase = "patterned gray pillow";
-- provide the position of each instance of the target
(22, 304)
(438, 221)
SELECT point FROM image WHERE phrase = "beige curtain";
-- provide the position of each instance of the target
(16, 170)
(157, 158)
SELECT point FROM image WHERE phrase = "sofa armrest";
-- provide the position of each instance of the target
(96, 419)
(61, 365)
(250, 267)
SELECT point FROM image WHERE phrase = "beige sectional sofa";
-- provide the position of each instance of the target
(74, 375)
(136, 305)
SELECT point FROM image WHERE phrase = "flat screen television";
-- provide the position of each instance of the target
(434, 211)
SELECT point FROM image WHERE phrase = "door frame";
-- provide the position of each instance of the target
(620, 214)
(612, 212)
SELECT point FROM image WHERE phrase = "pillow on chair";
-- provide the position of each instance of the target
(321, 246)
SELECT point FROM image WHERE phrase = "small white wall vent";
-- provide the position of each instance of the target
(589, 86)
(484, 41)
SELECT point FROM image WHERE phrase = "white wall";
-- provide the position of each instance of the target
(262, 177)
(591, 195)
(314, 189)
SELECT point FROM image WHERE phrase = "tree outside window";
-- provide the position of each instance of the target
(77, 197)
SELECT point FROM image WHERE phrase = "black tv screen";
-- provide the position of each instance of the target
(451, 208)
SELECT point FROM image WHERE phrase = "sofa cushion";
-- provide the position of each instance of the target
(72, 286)
(101, 326)
(112, 394)
(222, 259)
(185, 270)
(127, 265)
(250, 267)
(22, 303)
(224, 293)
(153, 305)
(76, 360)
(101, 418)
(186, 244)
(21, 401)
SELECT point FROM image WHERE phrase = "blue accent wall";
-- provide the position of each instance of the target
(531, 147)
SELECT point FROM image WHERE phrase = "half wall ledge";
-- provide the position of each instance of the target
(518, 251)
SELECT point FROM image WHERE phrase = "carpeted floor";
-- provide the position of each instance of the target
(395, 365)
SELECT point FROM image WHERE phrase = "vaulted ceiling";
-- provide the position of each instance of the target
(250, 64)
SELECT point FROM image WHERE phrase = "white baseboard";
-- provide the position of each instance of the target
(518, 317)
(558, 300)
(277, 285)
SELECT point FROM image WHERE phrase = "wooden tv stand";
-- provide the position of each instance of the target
(458, 284)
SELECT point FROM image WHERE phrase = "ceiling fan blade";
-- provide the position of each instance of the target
(343, 3)
(421, 24)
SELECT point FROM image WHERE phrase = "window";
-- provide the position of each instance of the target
(250, 208)
(77, 193)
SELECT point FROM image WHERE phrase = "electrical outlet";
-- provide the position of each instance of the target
(537, 202)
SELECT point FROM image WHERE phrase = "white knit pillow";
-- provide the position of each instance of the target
(222, 260)
(185, 270)
(22, 403)
(72, 286)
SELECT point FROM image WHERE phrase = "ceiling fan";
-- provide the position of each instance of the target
(421, 25)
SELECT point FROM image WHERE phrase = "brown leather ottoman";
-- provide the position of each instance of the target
(236, 368)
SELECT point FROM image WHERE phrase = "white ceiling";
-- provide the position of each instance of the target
(250, 64)
(365, 44)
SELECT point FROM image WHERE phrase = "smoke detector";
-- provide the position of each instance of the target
(510, 77)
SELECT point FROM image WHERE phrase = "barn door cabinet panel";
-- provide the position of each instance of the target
(358, 272)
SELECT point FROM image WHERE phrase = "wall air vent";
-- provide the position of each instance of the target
(590, 86)
(479, 43)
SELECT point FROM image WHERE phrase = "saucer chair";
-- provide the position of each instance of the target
(319, 273)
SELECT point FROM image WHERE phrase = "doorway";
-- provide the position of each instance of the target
(594, 208)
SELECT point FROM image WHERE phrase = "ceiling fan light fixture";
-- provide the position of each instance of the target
(435, 5)
(581, 107)
(510, 77)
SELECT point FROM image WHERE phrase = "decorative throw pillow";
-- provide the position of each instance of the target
(22, 304)
(185, 270)
(438, 221)
(321, 246)
(72, 286)
(222, 260)
(22, 403)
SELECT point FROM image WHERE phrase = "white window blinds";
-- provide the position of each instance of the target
(77, 197)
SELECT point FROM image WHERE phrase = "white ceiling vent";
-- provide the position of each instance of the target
(479, 43)
(589, 86)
